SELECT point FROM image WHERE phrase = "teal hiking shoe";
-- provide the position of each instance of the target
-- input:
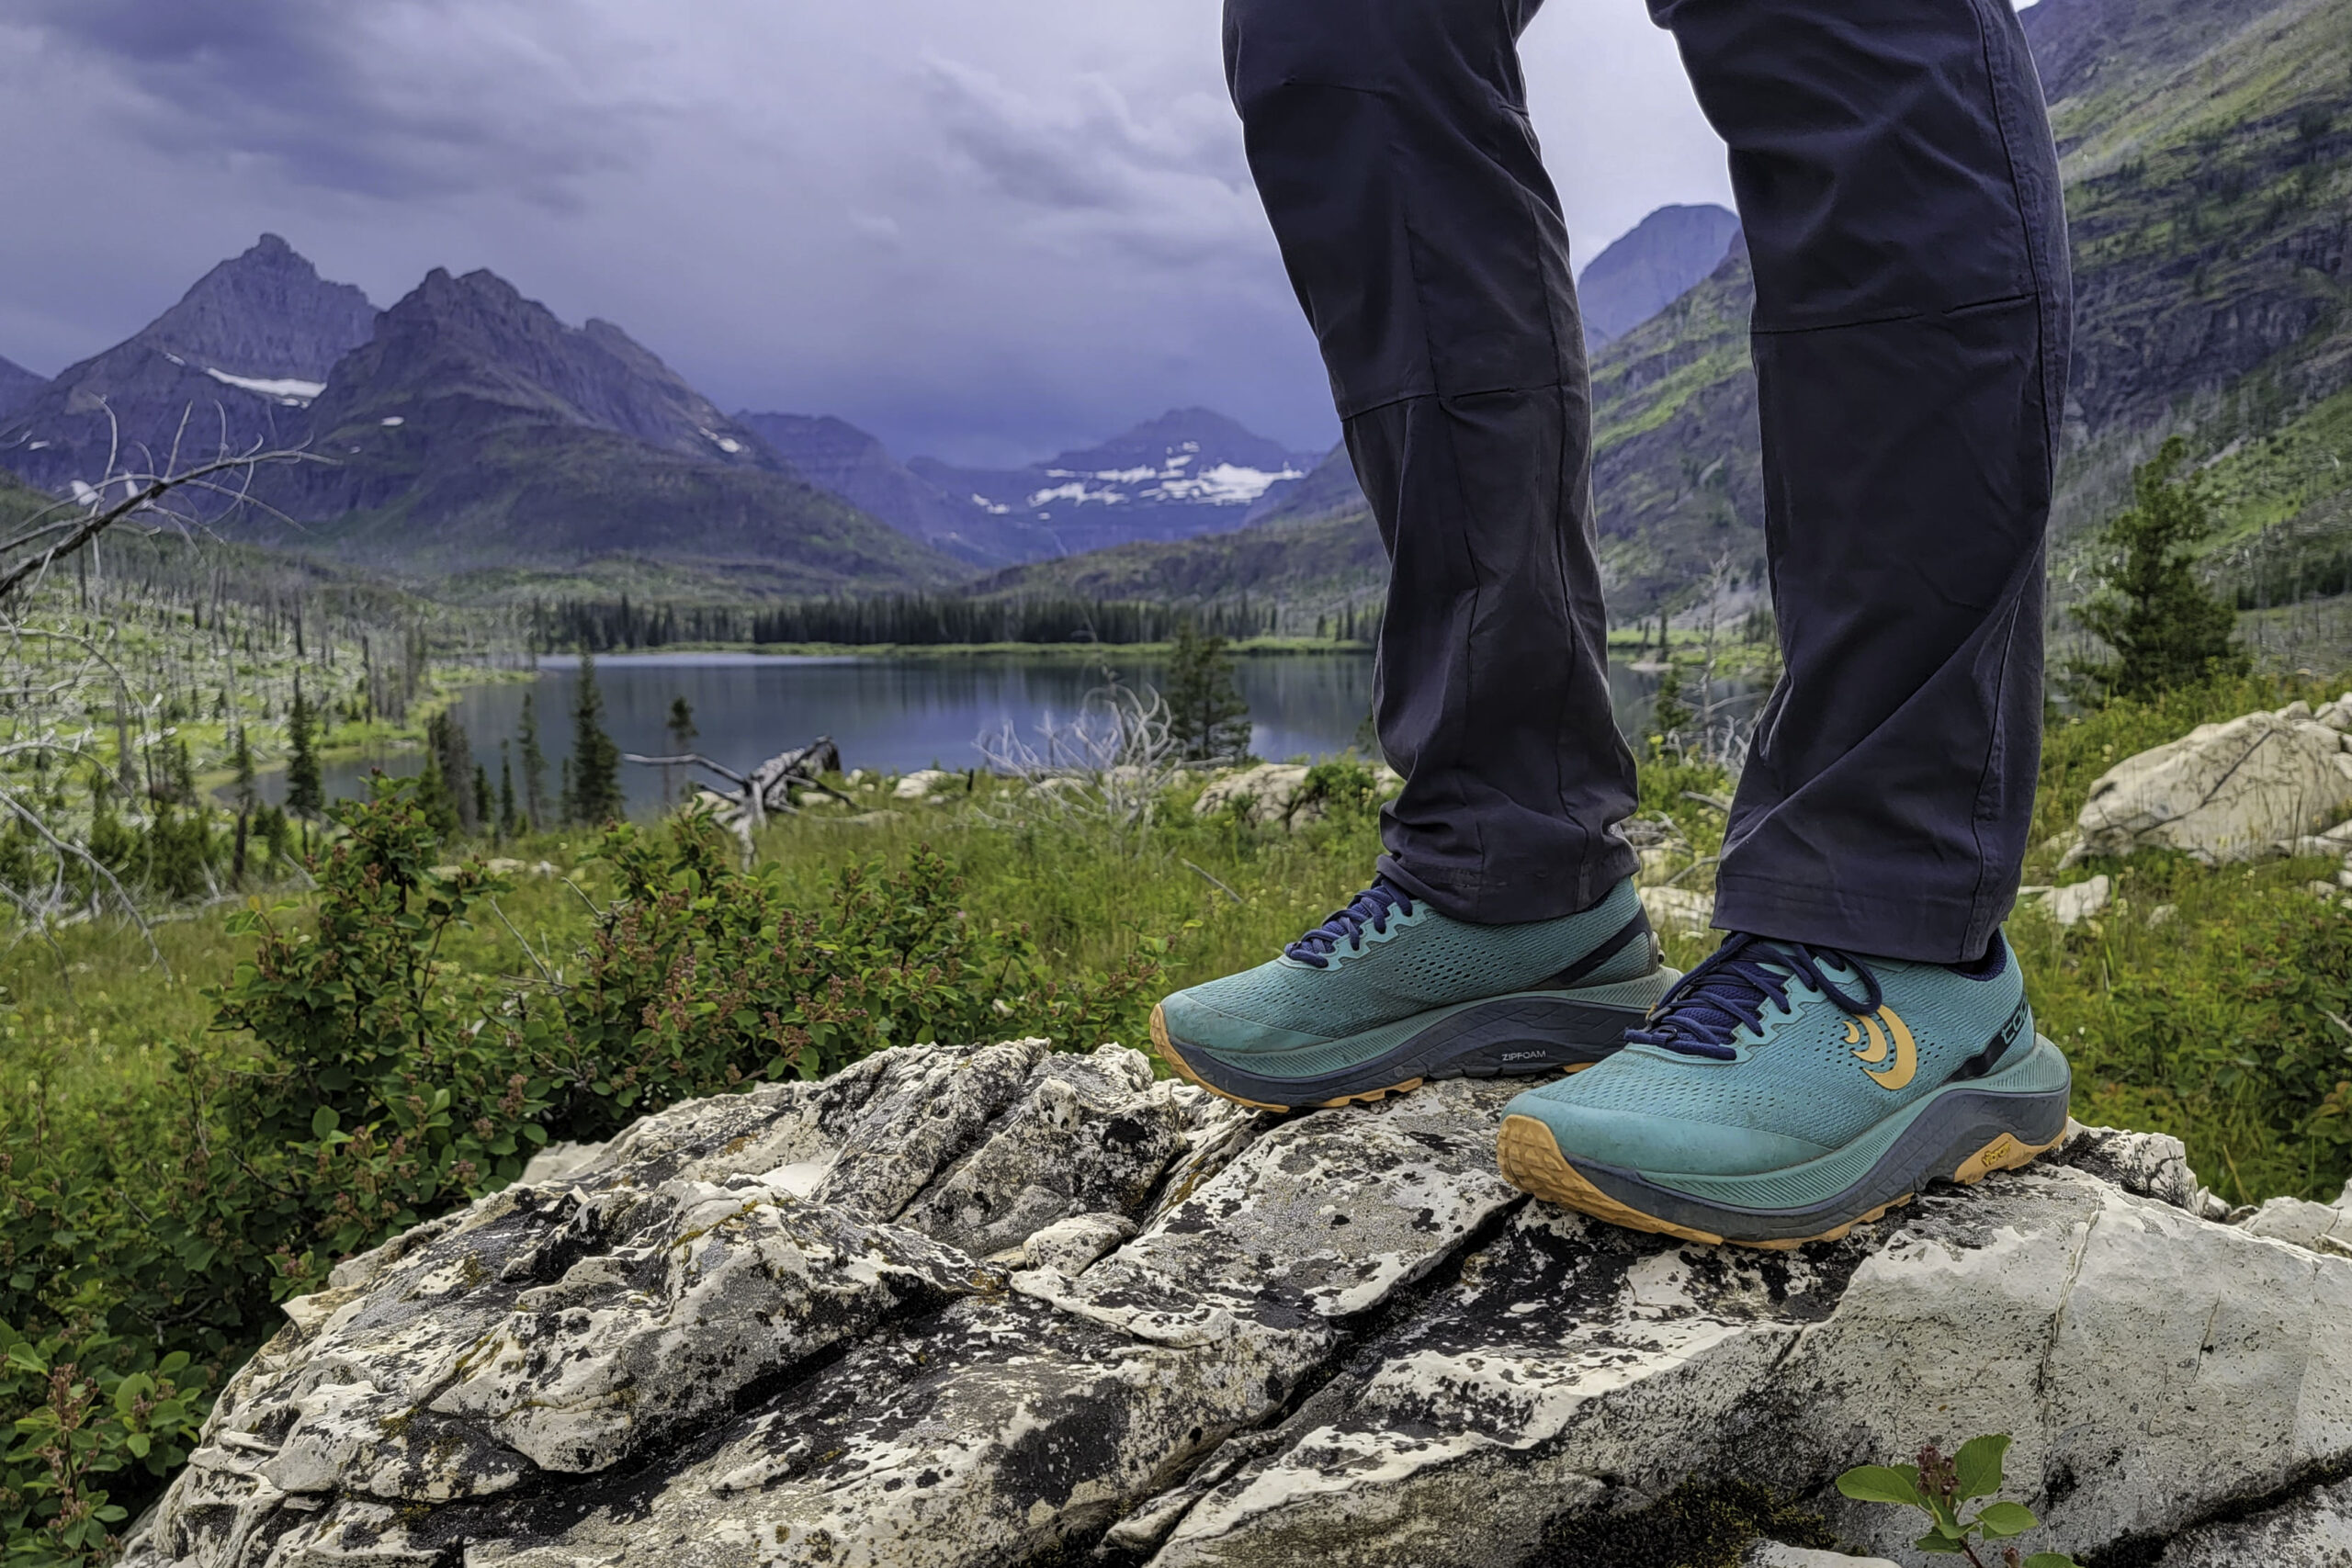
(1388, 993)
(1782, 1093)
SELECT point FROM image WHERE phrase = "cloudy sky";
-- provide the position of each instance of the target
(982, 231)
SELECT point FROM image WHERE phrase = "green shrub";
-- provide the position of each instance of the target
(356, 1082)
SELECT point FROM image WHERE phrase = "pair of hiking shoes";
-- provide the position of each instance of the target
(1777, 1093)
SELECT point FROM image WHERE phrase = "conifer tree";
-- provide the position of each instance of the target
(433, 800)
(534, 767)
(446, 738)
(242, 760)
(682, 736)
(2167, 629)
(510, 822)
(306, 795)
(1207, 717)
(596, 795)
(483, 807)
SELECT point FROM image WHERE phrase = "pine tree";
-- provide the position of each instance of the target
(306, 795)
(2166, 627)
(595, 794)
(510, 824)
(1669, 714)
(534, 767)
(446, 738)
(241, 759)
(1207, 717)
(433, 800)
(483, 805)
(682, 736)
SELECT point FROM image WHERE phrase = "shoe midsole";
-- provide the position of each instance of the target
(1520, 1032)
(1929, 1138)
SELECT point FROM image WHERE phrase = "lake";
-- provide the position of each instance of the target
(886, 714)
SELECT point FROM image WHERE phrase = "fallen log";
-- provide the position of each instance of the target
(767, 788)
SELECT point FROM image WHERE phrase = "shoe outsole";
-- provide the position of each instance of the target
(1531, 1160)
(1423, 1057)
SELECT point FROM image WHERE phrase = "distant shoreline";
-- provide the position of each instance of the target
(1077, 653)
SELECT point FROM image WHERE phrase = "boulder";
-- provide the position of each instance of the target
(2074, 903)
(1277, 792)
(1266, 793)
(924, 782)
(994, 1305)
(1679, 910)
(2226, 792)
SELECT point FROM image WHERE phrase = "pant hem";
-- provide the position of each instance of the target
(1522, 904)
(1916, 930)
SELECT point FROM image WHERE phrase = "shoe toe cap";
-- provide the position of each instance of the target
(1193, 1020)
(1644, 1141)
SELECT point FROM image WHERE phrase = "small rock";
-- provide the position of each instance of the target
(2321, 889)
(1658, 863)
(2074, 903)
(1266, 793)
(1678, 909)
(1773, 1554)
(1070, 1245)
(925, 782)
(868, 819)
(557, 1161)
(2162, 915)
(857, 777)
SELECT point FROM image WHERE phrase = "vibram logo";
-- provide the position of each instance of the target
(1889, 1037)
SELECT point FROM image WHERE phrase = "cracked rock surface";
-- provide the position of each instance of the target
(994, 1305)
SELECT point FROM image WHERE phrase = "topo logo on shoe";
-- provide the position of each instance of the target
(1888, 1035)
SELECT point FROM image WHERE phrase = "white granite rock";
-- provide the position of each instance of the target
(2225, 792)
(958, 1308)
(1678, 909)
(924, 783)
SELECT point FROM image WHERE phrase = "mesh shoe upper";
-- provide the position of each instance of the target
(1406, 961)
(1811, 1073)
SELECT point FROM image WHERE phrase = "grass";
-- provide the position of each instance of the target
(2228, 1023)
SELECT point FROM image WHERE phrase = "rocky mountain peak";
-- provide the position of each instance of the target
(265, 315)
(1194, 438)
(1651, 265)
(17, 385)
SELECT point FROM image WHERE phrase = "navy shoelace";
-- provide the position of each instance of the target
(1734, 986)
(1371, 908)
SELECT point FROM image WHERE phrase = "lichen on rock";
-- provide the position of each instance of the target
(999, 1306)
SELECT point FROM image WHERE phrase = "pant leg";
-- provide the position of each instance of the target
(1390, 143)
(1898, 186)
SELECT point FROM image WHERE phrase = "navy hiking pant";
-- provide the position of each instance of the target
(1896, 177)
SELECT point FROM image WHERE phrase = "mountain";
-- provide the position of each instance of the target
(1190, 472)
(836, 456)
(474, 431)
(1650, 267)
(235, 362)
(18, 386)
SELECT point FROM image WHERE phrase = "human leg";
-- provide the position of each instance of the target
(1389, 140)
(1900, 196)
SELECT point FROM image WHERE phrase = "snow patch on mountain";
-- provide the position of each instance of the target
(283, 390)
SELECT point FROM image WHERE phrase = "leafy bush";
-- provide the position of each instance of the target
(1942, 1488)
(356, 1082)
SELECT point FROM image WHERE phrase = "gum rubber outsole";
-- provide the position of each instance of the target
(1174, 1056)
(1531, 1160)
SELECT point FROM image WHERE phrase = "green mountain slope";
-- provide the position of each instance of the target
(476, 432)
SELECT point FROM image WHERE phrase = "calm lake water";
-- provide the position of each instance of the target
(886, 714)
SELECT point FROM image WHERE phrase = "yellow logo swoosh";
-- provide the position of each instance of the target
(1893, 1039)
